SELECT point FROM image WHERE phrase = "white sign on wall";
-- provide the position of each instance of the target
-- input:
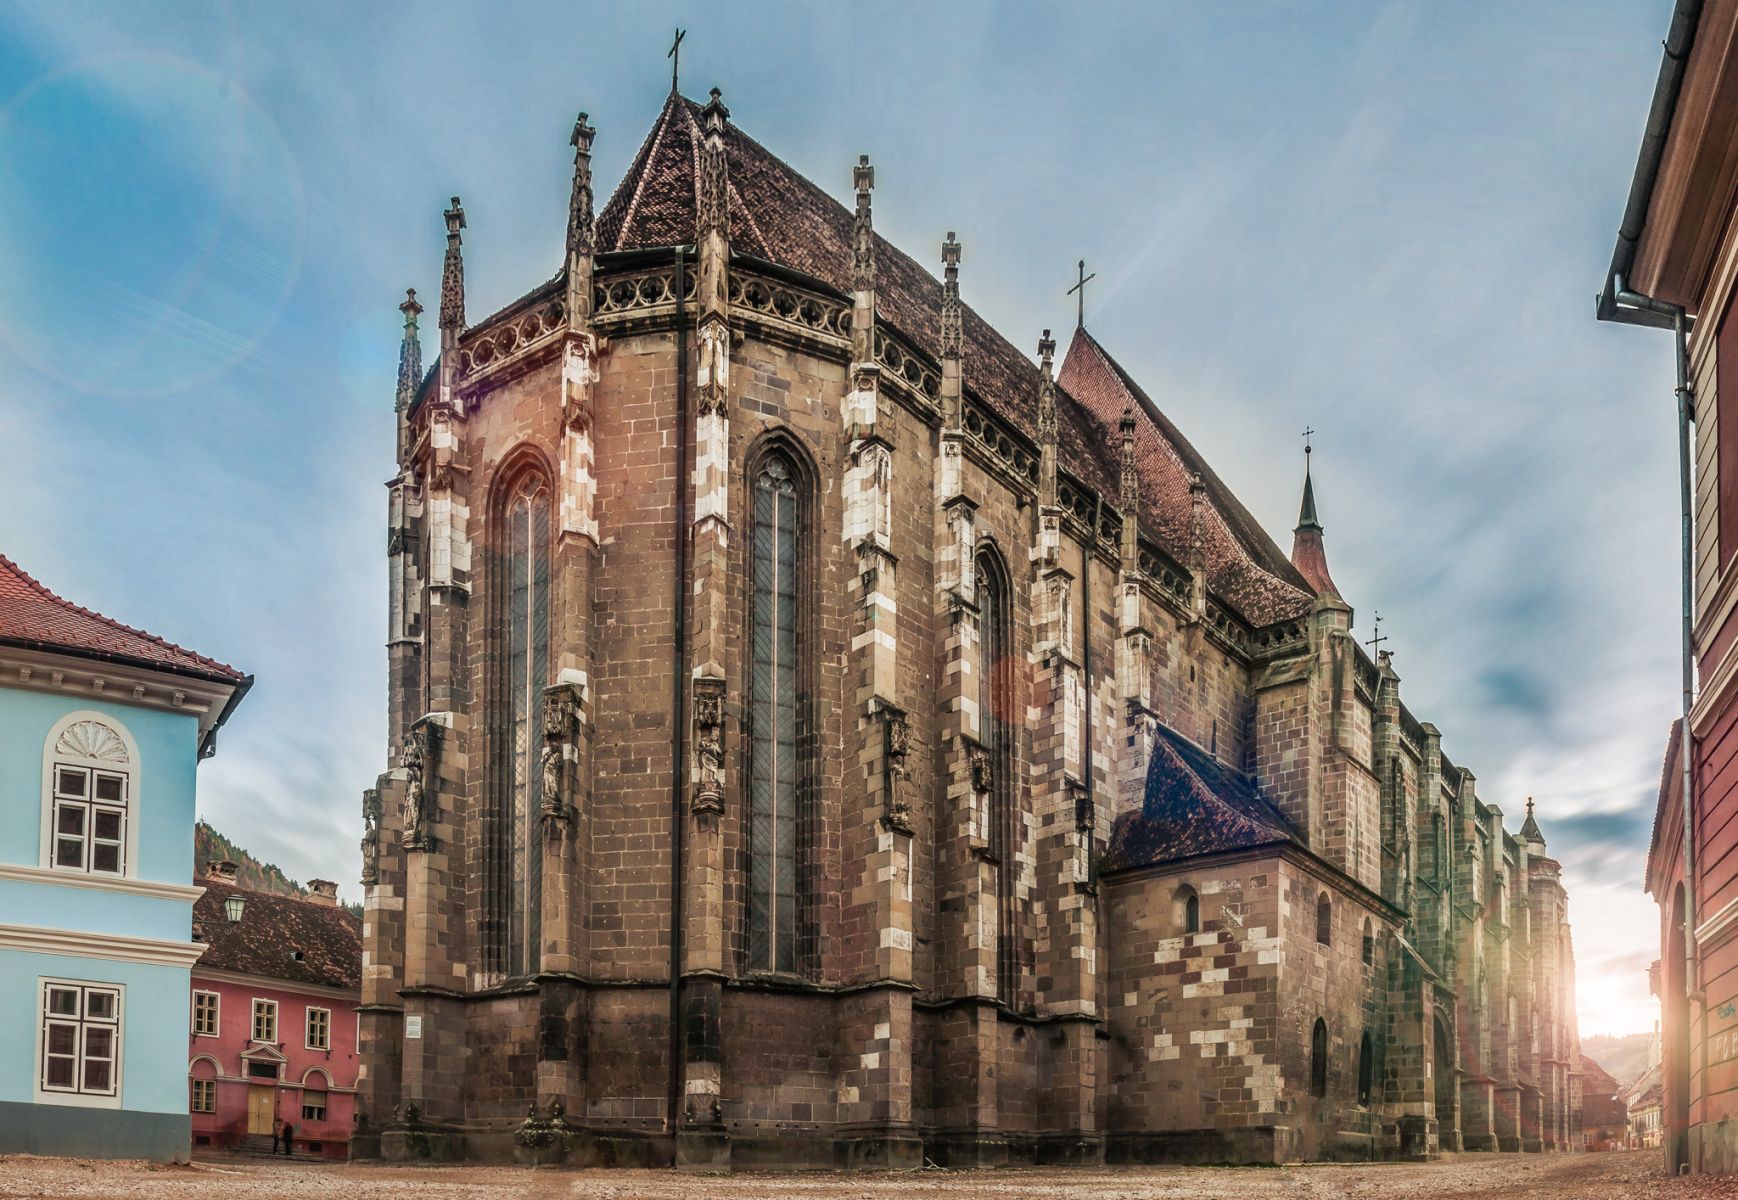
(413, 1025)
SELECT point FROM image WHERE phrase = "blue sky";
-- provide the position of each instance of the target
(1387, 221)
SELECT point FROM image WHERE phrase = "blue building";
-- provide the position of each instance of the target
(101, 729)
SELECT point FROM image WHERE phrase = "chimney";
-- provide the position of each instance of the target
(323, 891)
(221, 870)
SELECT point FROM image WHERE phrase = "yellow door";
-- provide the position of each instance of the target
(261, 1108)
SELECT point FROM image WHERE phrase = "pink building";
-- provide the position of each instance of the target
(273, 1017)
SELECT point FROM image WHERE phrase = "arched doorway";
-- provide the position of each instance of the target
(1445, 1077)
(1676, 1002)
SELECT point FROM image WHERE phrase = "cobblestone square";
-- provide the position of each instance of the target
(1548, 1177)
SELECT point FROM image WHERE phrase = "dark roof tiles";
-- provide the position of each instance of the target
(272, 930)
(1194, 805)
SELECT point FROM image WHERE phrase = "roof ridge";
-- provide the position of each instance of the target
(1170, 438)
(637, 168)
(53, 597)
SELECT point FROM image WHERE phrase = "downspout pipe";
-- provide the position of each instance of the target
(1087, 556)
(679, 698)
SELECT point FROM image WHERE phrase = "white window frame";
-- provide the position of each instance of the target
(197, 1086)
(260, 1003)
(216, 1013)
(76, 1096)
(124, 762)
(308, 1041)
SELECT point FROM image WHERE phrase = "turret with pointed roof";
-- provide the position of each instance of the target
(1308, 554)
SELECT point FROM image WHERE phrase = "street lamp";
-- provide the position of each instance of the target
(232, 908)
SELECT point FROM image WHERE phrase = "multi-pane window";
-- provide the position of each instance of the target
(314, 1101)
(524, 665)
(265, 1020)
(775, 781)
(319, 1029)
(996, 727)
(90, 819)
(88, 792)
(204, 1096)
(205, 1013)
(81, 1039)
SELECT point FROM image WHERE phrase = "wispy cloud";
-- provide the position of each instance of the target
(1385, 220)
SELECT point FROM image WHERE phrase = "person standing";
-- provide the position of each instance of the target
(289, 1133)
(277, 1132)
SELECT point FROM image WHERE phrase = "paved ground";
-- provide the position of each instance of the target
(1555, 1177)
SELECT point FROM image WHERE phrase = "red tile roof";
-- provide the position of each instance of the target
(1194, 805)
(778, 215)
(34, 617)
(1244, 567)
(271, 931)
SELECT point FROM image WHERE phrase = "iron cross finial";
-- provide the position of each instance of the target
(675, 57)
(1307, 434)
(1375, 643)
(1080, 311)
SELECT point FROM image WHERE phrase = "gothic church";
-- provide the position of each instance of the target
(824, 736)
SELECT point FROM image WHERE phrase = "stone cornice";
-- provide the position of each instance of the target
(97, 681)
(16, 873)
(29, 939)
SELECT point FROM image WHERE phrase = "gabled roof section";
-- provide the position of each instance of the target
(33, 617)
(1194, 805)
(1244, 567)
(779, 215)
(271, 931)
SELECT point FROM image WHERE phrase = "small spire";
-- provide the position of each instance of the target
(1306, 517)
(714, 189)
(1308, 554)
(1131, 493)
(863, 228)
(951, 335)
(1530, 831)
(409, 353)
(579, 208)
(453, 273)
(1047, 427)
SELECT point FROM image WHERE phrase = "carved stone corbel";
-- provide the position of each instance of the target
(373, 817)
(709, 745)
(559, 756)
(896, 760)
(983, 781)
(419, 756)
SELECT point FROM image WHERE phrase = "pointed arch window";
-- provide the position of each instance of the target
(996, 729)
(1319, 1058)
(1324, 919)
(521, 630)
(777, 783)
(1366, 1070)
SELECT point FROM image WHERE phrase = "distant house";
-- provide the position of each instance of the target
(101, 728)
(273, 1017)
(1644, 1099)
(1604, 1116)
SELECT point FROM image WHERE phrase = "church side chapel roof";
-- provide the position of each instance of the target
(1194, 805)
(779, 215)
(35, 618)
(1244, 566)
(272, 930)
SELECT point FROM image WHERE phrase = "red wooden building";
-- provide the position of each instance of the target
(1675, 267)
(272, 1018)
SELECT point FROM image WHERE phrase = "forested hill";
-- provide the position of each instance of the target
(208, 844)
(1625, 1057)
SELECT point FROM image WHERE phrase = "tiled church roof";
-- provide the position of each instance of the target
(778, 215)
(34, 617)
(1244, 566)
(1194, 804)
(271, 932)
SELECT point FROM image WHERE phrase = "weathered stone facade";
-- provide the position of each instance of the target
(821, 737)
